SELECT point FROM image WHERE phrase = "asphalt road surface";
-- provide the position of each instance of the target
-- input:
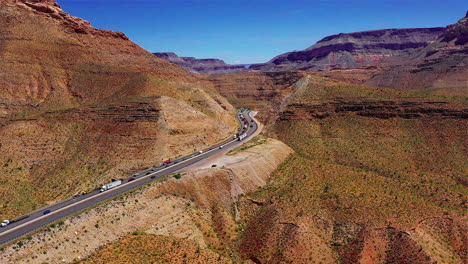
(37, 219)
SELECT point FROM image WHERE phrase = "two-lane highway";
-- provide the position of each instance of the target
(38, 219)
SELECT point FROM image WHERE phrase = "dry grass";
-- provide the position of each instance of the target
(363, 171)
(146, 248)
(77, 110)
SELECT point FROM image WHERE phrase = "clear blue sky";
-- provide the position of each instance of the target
(251, 31)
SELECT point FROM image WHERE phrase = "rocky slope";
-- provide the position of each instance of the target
(263, 92)
(441, 65)
(352, 50)
(212, 66)
(202, 207)
(80, 105)
(376, 177)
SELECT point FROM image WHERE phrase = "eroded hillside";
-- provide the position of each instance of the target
(377, 177)
(79, 106)
(263, 91)
(440, 66)
(205, 207)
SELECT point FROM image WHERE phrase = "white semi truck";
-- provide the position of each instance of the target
(7, 222)
(241, 136)
(111, 185)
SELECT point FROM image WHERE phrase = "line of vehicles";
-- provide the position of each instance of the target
(239, 136)
(7, 222)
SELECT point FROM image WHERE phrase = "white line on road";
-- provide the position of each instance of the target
(113, 189)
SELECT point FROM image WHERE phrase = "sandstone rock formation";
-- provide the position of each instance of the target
(79, 106)
(351, 50)
(201, 65)
(442, 64)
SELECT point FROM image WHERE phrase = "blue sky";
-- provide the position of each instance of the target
(251, 31)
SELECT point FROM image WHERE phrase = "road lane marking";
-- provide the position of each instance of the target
(111, 190)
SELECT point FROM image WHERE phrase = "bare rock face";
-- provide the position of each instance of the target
(351, 50)
(74, 97)
(378, 109)
(201, 65)
(441, 64)
(457, 32)
(258, 85)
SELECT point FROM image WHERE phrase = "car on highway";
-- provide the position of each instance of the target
(70, 207)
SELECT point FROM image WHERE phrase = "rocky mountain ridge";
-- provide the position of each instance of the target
(351, 50)
(201, 65)
(442, 64)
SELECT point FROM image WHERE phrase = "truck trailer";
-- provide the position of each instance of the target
(7, 222)
(242, 136)
(111, 185)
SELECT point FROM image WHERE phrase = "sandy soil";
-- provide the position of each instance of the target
(180, 208)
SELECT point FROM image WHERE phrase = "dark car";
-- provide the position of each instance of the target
(131, 179)
(251, 125)
(214, 165)
(153, 177)
(46, 212)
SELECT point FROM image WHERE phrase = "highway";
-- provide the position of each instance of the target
(65, 208)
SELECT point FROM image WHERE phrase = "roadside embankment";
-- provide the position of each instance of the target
(198, 206)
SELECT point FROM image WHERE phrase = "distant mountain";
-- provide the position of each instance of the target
(352, 50)
(201, 65)
(441, 64)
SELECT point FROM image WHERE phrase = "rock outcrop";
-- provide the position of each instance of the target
(194, 65)
(201, 206)
(351, 50)
(379, 109)
(441, 64)
(255, 85)
(263, 91)
(80, 105)
(369, 164)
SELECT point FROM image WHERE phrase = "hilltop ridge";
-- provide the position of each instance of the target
(194, 65)
(351, 50)
(80, 106)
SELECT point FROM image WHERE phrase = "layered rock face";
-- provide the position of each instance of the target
(351, 50)
(441, 64)
(79, 106)
(262, 91)
(376, 177)
(370, 108)
(201, 65)
(255, 85)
